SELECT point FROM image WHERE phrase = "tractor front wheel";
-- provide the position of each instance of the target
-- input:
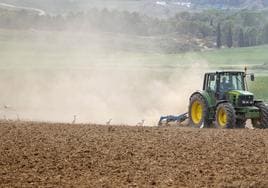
(225, 116)
(198, 112)
(261, 122)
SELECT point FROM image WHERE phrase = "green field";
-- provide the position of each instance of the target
(260, 88)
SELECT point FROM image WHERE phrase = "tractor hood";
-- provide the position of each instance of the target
(240, 98)
(239, 92)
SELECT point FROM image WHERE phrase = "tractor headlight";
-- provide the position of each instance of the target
(243, 102)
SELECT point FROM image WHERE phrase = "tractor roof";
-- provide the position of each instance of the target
(224, 72)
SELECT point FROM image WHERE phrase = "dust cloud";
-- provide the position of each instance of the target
(95, 94)
(55, 81)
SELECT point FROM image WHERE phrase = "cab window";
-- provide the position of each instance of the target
(212, 82)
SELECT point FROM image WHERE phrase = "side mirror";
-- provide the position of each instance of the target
(252, 77)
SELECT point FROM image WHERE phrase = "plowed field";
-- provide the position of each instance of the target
(62, 155)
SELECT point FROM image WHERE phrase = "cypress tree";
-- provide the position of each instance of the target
(241, 41)
(219, 36)
(230, 37)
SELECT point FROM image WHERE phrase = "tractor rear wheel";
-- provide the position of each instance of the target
(198, 112)
(225, 116)
(262, 122)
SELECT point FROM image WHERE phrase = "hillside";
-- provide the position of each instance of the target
(161, 8)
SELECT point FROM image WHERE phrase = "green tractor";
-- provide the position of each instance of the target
(225, 100)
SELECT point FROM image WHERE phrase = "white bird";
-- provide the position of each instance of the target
(141, 123)
(74, 120)
(109, 122)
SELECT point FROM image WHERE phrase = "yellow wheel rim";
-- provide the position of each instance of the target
(197, 112)
(222, 117)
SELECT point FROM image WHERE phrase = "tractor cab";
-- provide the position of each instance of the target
(220, 83)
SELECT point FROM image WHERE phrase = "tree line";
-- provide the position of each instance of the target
(224, 28)
(234, 3)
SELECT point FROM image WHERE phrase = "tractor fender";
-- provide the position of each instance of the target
(206, 96)
(220, 102)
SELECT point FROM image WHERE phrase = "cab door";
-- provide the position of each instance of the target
(211, 86)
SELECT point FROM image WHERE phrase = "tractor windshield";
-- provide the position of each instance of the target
(231, 81)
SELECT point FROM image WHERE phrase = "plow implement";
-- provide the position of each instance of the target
(172, 118)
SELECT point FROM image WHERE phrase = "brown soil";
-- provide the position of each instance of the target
(61, 155)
